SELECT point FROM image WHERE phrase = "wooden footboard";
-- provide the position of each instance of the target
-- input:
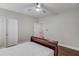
(53, 45)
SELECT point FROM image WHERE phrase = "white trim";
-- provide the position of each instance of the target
(75, 48)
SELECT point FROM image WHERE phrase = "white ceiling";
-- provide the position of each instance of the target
(51, 8)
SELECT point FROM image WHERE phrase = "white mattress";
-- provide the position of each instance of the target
(26, 49)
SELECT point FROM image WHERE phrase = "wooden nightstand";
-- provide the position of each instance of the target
(51, 44)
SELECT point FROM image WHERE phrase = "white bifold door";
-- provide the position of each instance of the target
(2, 32)
(12, 32)
(8, 32)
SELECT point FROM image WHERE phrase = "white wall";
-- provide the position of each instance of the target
(64, 28)
(25, 24)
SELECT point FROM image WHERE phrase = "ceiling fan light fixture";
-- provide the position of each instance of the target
(38, 9)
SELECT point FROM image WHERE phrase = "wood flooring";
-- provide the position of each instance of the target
(63, 51)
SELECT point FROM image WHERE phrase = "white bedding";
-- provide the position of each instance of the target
(26, 49)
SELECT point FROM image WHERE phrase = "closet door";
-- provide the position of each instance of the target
(12, 32)
(2, 32)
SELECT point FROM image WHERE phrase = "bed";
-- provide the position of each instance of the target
(33, 48)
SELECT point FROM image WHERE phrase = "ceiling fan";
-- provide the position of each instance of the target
(37, 10)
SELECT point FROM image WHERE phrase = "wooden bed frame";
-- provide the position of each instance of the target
(53, 45)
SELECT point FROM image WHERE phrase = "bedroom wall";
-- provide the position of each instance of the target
(63, 28)
(25, 24)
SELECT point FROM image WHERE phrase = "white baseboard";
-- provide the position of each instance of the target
(75, 48)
